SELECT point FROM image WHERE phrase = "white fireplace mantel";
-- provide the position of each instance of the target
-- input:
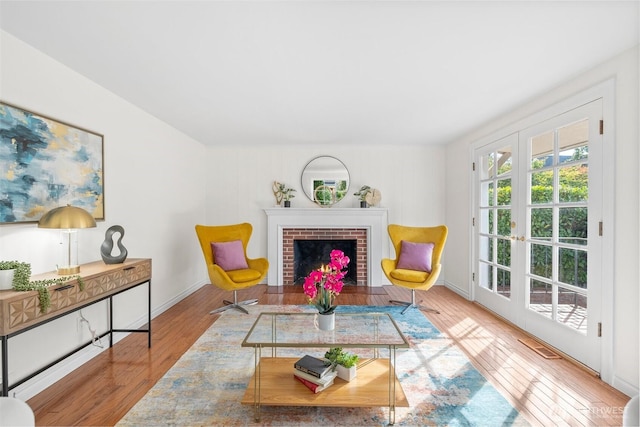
(374, 220)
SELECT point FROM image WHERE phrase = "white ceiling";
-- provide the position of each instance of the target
(317, 72)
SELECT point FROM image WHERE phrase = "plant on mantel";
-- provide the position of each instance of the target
(22, 282)
(287, 193)
(282, 192)
(362, 193)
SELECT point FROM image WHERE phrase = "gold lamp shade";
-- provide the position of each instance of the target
(68, 218)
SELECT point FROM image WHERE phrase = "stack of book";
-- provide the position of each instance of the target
(315, 373)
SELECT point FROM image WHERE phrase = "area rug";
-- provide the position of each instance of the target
(205, 386)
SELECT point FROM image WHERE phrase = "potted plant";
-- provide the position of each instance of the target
(322, 286)
(362, 195)
(21, 281)
(282, 192)
(287, 195)
(343, 361)
(14, 273)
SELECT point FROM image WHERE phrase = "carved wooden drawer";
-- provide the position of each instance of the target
(20, 310)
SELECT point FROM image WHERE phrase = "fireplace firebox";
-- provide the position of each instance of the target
(331, 236)
(309, 255)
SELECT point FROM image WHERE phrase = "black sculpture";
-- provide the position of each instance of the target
(107, 246)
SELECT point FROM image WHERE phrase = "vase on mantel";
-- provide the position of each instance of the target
(326, 322)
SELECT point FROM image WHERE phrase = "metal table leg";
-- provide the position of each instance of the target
(256, 383)
(392, 385)
(5, 366)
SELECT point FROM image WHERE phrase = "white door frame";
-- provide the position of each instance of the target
(606, 92)
(585, 345)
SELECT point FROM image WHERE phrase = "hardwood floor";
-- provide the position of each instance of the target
(546, 391)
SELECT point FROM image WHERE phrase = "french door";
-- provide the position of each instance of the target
(537, 246)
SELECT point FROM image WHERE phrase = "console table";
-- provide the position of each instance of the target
(20, 311)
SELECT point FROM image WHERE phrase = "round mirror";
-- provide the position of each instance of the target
(325, 180)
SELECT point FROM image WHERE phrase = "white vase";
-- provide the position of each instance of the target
(6, 279)
(346, 374)
(325, 322)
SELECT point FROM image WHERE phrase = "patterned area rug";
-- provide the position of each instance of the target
(205, 386)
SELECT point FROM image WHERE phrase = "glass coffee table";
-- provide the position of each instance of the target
(376, 384)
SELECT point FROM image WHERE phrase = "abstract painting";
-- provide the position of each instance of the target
(45, 164)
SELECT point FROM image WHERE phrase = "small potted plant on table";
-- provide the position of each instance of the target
(343, 361)
(14, 273)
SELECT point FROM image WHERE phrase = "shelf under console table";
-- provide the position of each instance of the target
(20, 310)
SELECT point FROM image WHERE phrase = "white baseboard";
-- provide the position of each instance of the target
(463, 293)
(625, 387)
(49, 377)
(173, 301)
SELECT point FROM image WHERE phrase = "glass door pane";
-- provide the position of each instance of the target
(557, 211)
(495, 221)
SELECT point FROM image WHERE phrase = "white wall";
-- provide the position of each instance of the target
(411, 180)
(624, 68)
(155, 181)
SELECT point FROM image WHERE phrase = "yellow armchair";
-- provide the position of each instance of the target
(231, 279)
(414, 278)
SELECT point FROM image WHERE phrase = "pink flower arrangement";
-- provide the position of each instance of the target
(324, 285)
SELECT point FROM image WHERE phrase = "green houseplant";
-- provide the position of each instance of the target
(22, 282)
(343, 361)
(287, 195)
(21, 272)
(282, 192)
(362, 195)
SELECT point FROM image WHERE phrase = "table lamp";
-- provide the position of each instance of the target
(69, 219)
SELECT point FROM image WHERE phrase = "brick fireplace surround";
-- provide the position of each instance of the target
(357, 234)
(369, 226)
